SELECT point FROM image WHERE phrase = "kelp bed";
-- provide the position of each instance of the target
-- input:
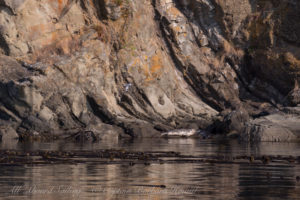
(113, 156)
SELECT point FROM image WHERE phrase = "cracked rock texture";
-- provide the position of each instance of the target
(135, 68)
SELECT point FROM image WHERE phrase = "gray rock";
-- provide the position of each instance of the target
(83, 137)
(106, 132)
(8, 133)
(141, 129)
(235, 121)
(263, 130)
(290, 122)
(294, 95)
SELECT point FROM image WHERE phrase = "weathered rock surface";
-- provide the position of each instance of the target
(280, 126)
(266, 131)
(141, 67)
(8, 133)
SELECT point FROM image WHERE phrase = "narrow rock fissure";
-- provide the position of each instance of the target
(178, 64)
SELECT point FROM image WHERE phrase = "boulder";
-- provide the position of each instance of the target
(288, 121)
(269, 130)
(235, 121)
(8, 133)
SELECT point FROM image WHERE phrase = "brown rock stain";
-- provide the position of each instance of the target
(155, 64)
(91, 2)
(39, 30)
(153, 71)
(60, 4)
(176, 29)
(174, 11)
(294, 63)
(135, 62)
(147, 73)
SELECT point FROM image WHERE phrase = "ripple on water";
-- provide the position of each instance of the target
(139, 181)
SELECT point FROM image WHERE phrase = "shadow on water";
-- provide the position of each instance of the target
(155, 180)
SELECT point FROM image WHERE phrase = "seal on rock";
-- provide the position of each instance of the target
(185, 133)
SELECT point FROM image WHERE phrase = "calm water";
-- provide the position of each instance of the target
(182, 181)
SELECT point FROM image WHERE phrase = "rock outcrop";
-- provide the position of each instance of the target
(266, 131)
(141, 67)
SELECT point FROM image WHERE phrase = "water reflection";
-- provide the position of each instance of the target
(182, 181)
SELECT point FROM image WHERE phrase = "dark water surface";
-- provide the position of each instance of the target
(181, 181)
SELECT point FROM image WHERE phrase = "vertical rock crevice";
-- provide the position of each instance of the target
(146, 66)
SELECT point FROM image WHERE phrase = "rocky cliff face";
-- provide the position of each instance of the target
(140, 67)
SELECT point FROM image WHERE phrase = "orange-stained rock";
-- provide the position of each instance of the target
(146, 65)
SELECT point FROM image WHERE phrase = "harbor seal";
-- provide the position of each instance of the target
(185, 133)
